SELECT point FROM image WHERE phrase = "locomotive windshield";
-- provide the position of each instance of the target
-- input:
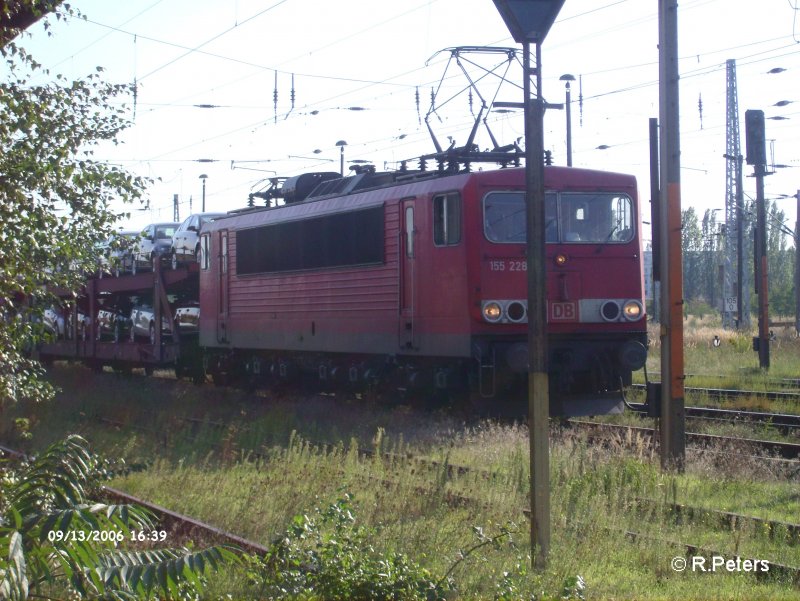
(574, 217)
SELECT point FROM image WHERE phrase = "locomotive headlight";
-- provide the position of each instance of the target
(492, 311)
(632, 310)
(560, 260)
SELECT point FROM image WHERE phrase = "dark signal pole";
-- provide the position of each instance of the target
(655, 218)
(797, 267)
(755, 140)
(762, 270)
(741, 318)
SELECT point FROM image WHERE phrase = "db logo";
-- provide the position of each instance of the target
(565, 311)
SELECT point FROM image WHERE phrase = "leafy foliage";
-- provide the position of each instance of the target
(56, 200)
(51, 495)
(703, 245)
(327, 556)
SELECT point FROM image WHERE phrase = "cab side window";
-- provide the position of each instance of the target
(204, 262)
(447, 219)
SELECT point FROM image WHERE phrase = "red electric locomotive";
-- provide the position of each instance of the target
(416, 282)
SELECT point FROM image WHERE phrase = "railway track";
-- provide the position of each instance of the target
(785, 450)
(735, 393)
(776, 382)
(782, 422)
(186, 523)
(182, 524)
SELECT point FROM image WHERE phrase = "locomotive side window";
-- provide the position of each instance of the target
(446, 219)
(223, 260)
(336, 240)
(204, 251)
(504, 217)
(409, 229)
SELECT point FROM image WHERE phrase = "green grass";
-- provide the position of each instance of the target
(213, 474)
(734, 359)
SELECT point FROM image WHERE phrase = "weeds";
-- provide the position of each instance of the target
(327, 555)
(407, 508)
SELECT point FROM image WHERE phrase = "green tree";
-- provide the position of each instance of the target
(710, 258)
(54, 538)
(780, 261)
(692, 248)
(56, 199)
(56, 204)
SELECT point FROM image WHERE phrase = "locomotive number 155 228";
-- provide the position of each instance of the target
(508, 265)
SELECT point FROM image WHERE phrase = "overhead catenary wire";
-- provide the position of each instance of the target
(651, 83)
(376, 99)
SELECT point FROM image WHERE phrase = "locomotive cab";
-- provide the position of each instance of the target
(596, 322)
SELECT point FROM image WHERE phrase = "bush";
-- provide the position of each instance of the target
(328, 556)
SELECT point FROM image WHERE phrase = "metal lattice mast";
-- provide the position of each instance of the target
(735, 283)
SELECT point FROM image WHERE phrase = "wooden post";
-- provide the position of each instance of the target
(538, 386)
(673, 421)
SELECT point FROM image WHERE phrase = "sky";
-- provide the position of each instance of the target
(207, 71)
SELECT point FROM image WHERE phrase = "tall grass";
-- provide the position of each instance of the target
(249, 464)
(734, 358)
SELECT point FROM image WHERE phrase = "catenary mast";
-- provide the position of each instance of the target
(734, 285)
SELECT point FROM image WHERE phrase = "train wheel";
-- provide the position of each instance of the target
(198, 376)
(479, 405)
(124, 369)
(219, 378)
(94, 365)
